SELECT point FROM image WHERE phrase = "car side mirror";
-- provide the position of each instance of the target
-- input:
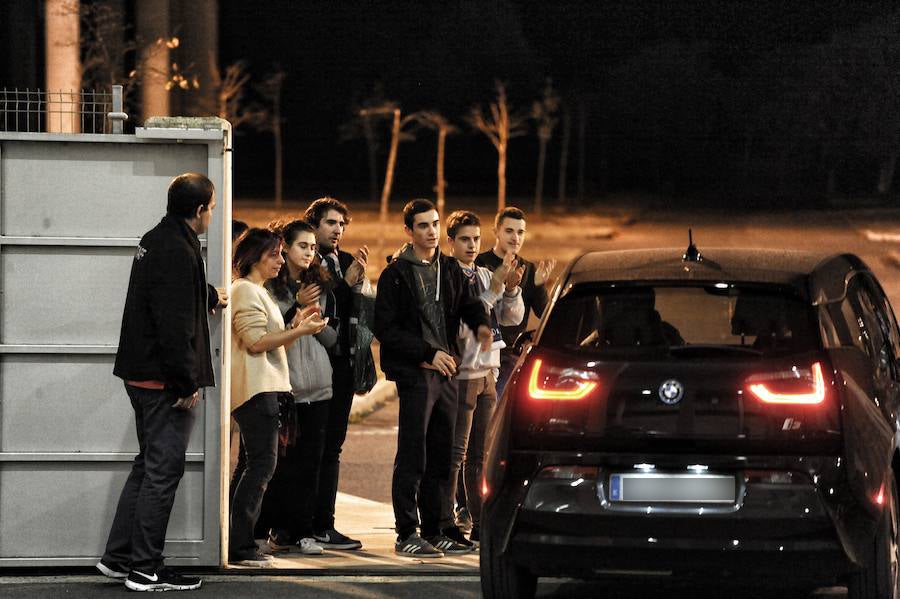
(524, 338)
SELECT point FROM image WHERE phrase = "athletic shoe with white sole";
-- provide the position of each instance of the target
(449, 546)
(260, 560)
(309, 546)
(416, 546)
(111, 570)
(163, 579)
(332, 539)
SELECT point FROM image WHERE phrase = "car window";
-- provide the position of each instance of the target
(649, 319)
(873, 327)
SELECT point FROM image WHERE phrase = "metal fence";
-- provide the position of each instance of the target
(39, 111)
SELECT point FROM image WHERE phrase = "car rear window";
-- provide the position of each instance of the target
(715, 320)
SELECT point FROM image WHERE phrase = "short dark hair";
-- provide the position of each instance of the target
(459, 219)
(250, 248)
(417, 206)
(319, 208)
(237, 229)
(187, 192)
(509, 212)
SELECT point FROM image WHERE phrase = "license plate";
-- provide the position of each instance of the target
(671, 488)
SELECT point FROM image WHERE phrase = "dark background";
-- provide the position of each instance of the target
(723, 102)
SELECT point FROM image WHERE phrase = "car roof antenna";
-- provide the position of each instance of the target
(692, 254)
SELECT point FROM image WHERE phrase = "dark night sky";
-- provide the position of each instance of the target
(657, 78)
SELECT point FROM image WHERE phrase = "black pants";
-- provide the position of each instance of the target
(138, 531)
(424, 445)
(258, 420)
(290, 500)
(335, 434)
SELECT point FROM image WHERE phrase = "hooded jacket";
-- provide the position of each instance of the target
(165, 334)
(399, 314)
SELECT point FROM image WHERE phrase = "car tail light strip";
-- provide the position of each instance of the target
(548, 383)
(810, 383)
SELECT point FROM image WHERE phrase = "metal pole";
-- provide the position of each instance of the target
(117, 117)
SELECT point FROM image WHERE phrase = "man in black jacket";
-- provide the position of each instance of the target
(422, 296)
(509, 230)
(329, 217)
(164, 359)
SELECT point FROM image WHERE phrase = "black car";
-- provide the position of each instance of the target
(725, 416)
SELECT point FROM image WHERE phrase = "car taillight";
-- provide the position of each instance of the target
(794, 386)
(547, 382)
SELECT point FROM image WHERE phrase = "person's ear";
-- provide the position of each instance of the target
(200, 209)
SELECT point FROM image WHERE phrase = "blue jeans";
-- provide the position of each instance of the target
(138, 531)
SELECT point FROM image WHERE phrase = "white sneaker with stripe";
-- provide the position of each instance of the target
(416, 546)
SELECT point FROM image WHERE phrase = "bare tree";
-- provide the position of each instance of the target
(364, 125)
(564, 153)
(499, 128)
(270, 119)
(437, 121)
(398, 123)
(544, 111)
(229, 94)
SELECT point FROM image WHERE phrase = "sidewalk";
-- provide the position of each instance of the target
(371, 522)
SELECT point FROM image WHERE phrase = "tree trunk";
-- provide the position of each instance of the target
(371, 148)
(199, 41)
(389, 171)
(153, 25)
(63, 66)
(886, 173)
(582, 135)
(441, 185)
(564, 155)
(539, 184)
(279, 162)
(501, 178)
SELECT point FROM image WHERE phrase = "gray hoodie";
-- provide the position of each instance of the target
(307, 358)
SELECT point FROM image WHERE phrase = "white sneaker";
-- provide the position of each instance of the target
(308, 546)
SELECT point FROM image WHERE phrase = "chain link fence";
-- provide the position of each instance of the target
(39, 111)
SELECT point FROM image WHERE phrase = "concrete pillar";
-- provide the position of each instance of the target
(152, 31)
(63, 72)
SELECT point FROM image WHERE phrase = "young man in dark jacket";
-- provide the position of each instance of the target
(329, 217)
(509, 231)
(164, 360)
(422, 296)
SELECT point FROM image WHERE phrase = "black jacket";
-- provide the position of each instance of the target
(398, 321)
(165, 334)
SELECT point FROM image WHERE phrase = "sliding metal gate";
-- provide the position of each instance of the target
(72, 208)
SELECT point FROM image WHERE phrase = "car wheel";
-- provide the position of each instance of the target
(878, 578)
(500, 577)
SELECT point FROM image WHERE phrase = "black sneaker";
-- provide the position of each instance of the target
(449, 546)
(280, 540)
(475, 535)
(164, 579)
(416, 546)
(112, 570)
(455, 534)
(332, 539)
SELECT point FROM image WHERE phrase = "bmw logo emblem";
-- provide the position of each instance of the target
(671, 392)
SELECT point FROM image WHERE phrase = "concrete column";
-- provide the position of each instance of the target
(63, 72)
(152, 31)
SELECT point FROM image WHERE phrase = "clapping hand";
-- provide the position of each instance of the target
(545, 267)
(308, 295)
(502, 273)
(357, 270)
(309, 321)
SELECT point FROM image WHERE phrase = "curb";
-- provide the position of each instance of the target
(363, 405)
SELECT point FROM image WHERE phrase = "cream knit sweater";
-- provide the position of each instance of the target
(253, 314)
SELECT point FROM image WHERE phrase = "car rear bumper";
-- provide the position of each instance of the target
(779, 533)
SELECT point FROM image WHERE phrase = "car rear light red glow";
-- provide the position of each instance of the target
(559, 384)
(879, 498)
(795, 386)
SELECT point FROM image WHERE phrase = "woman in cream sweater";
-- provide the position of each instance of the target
(259, 373)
